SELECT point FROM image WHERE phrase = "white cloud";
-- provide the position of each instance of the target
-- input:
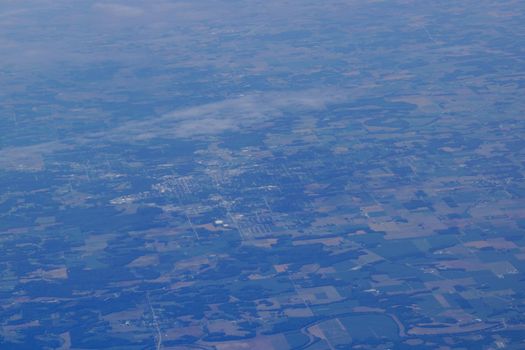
(239, 113)
(28, 158)
(119, 10)
(228, 115)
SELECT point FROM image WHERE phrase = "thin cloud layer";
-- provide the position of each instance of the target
(119, 9)
(235, 114)
(228, 115)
